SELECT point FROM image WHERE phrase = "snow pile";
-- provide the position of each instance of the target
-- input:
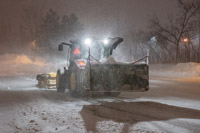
(14, 64)
(183, 70)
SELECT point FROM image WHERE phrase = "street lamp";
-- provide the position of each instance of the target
(185, 40)
(33, 44)
(187, 48)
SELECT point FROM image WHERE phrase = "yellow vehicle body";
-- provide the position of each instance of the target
(47, 80)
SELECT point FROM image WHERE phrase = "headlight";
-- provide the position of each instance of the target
(105, 41)
(88, 41)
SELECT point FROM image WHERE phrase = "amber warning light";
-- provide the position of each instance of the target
(81, 63)
(77, 51)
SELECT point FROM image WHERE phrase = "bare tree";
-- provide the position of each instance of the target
(196, 29)
(176, 29)
(140, 43)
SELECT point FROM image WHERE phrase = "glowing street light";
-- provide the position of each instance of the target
(185, 40)
(33, 44)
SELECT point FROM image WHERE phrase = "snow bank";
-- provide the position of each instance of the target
(14, 64)
(189, 69)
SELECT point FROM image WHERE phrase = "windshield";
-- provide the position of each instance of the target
(82, 51)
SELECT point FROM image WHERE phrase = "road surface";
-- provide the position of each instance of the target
(171, 105)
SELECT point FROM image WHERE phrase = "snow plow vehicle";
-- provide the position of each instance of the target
(46, 80)
(91, 68)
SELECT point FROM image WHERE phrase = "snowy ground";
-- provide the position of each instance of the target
(171, 105)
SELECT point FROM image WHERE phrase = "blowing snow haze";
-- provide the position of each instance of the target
(99, 17)
(107, 66)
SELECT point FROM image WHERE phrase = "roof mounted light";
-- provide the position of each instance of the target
(88, 41)
(105, 41)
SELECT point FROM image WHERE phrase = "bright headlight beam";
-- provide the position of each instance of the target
(88, 41)
(105, 41)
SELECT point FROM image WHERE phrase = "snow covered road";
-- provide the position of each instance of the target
(171, 105)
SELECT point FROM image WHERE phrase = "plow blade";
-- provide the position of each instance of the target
(120, 77)
(47, 80)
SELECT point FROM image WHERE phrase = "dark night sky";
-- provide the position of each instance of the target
(102, 18)
(99, 16)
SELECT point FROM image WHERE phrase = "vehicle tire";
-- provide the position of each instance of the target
(61, 80)
(42, 83)
(42, 80)
(76, 82)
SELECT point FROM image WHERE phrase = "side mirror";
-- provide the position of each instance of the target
(60, 47)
